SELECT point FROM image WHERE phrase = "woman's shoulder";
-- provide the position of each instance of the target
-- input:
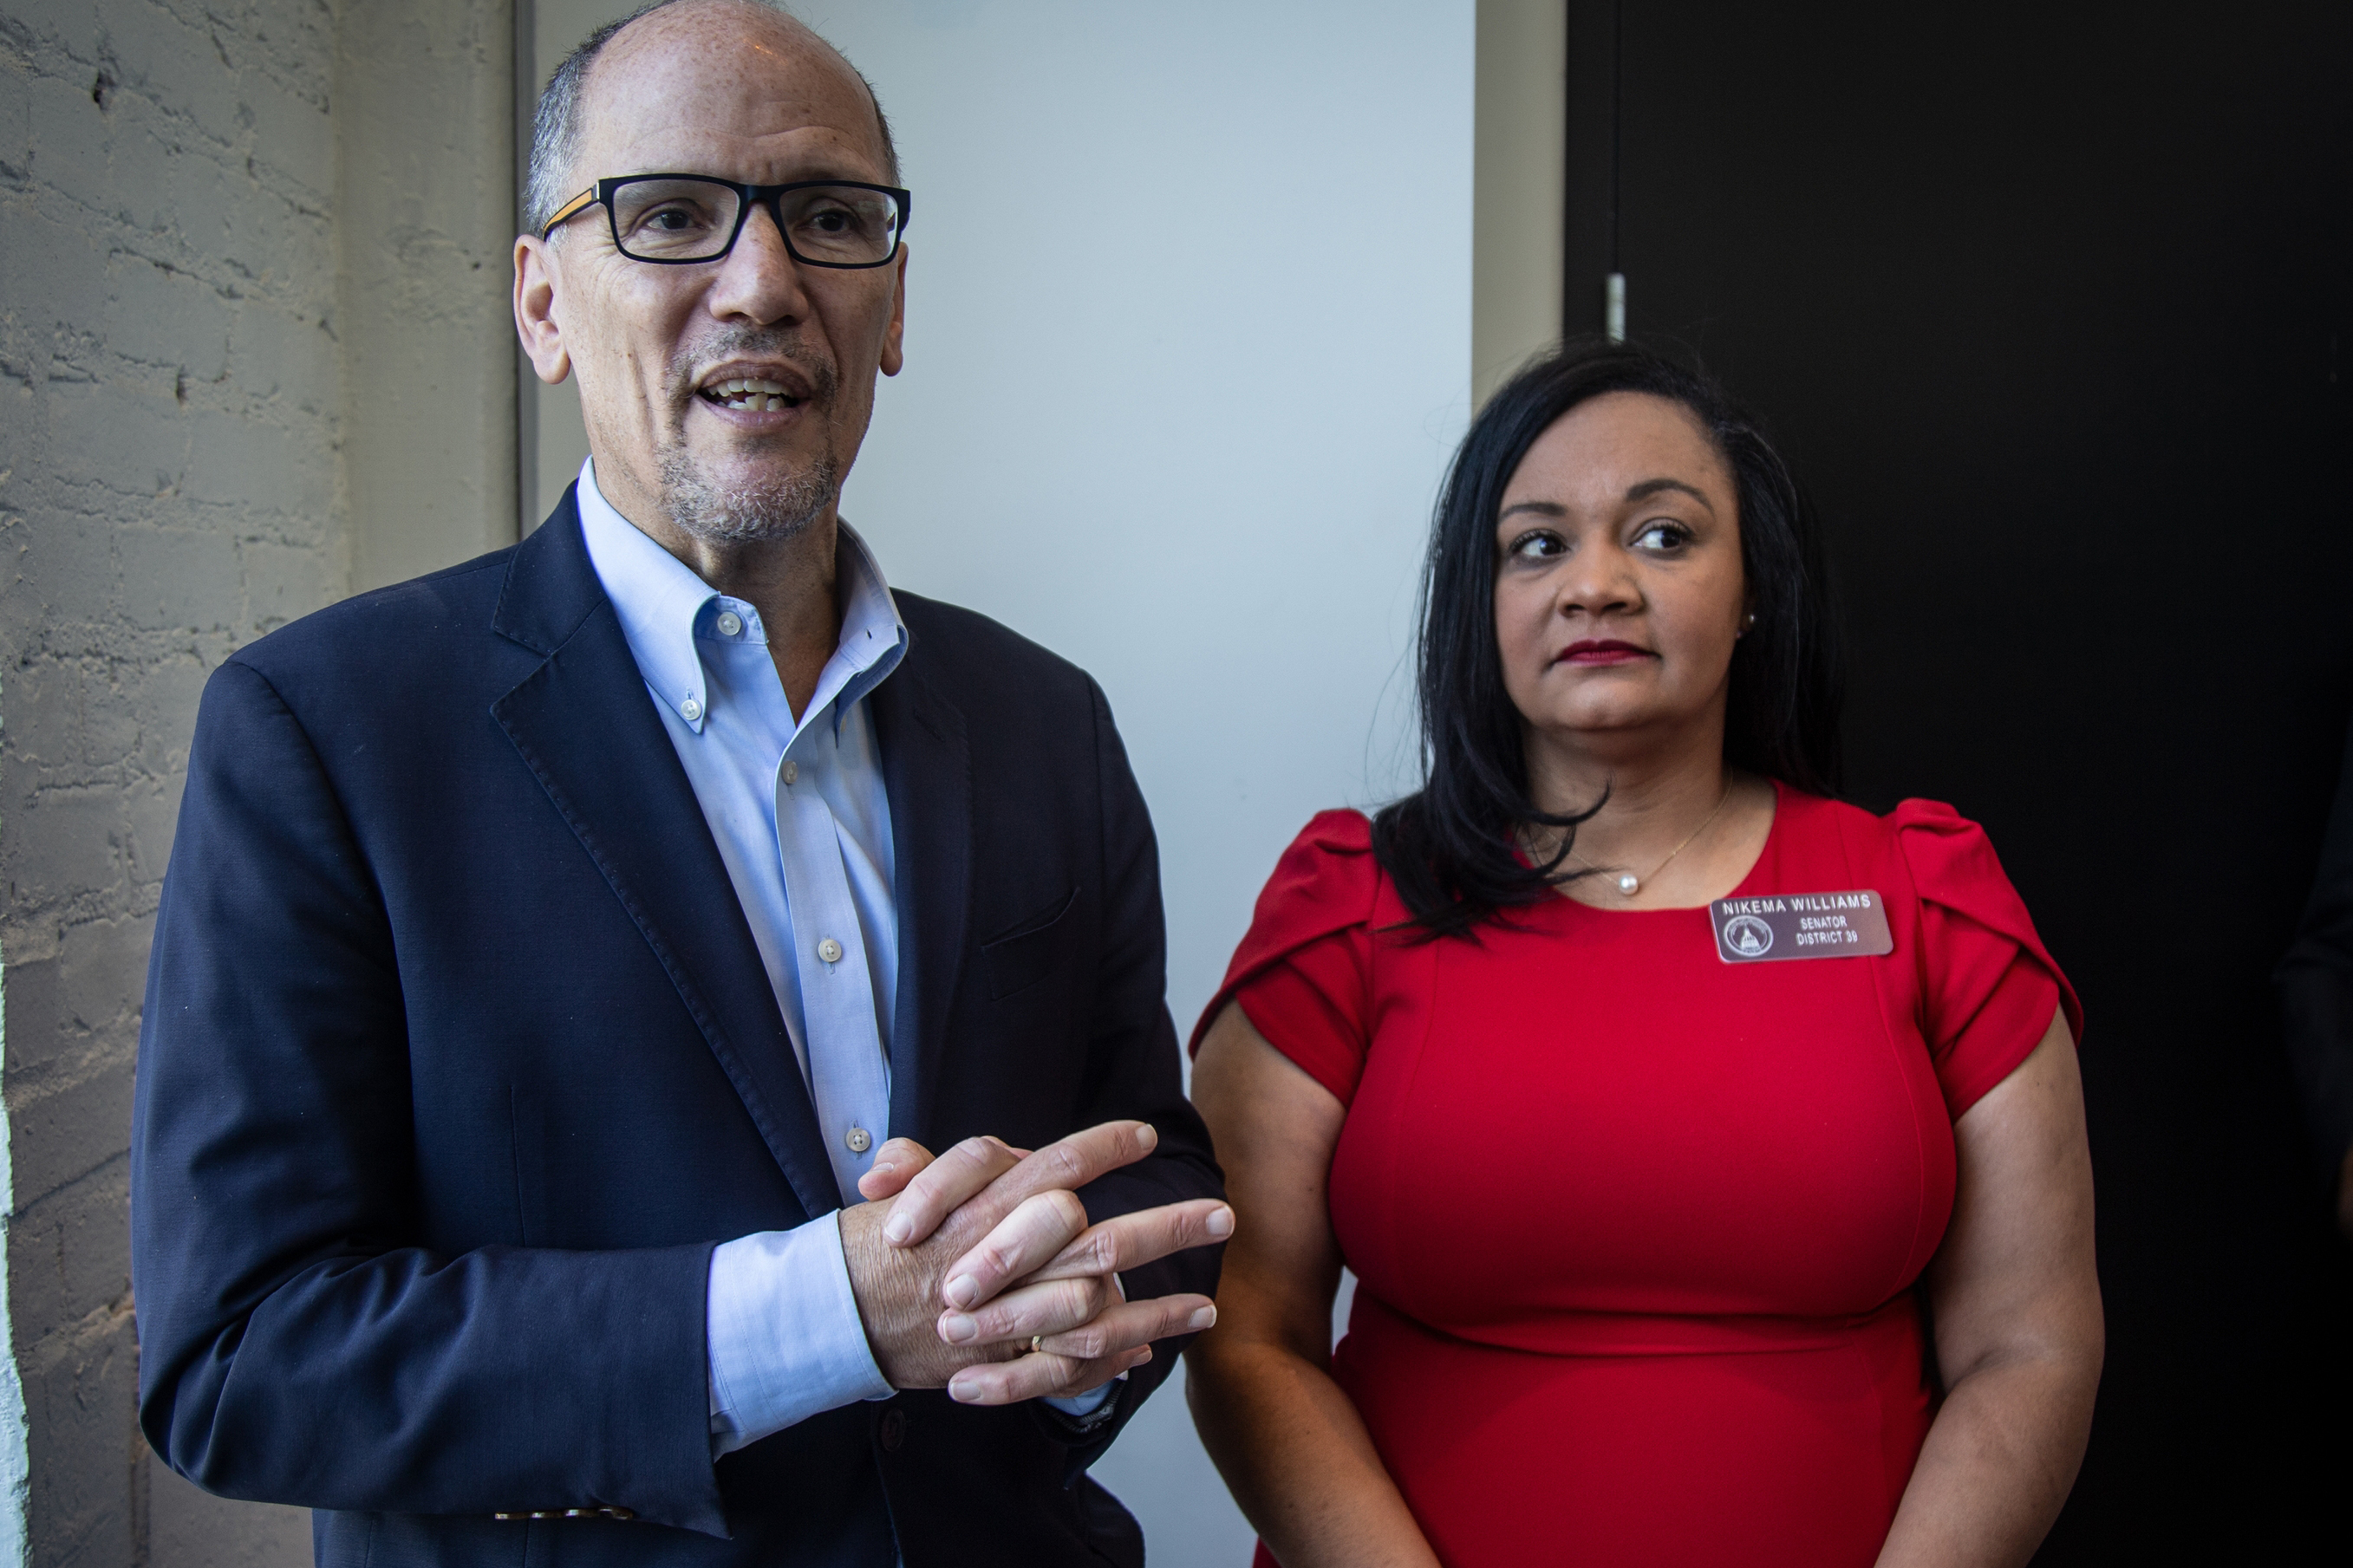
(1342, 830)
(1948, 860)
(1943, 865)
(1327, 878)
(1924, 849)
(1325, 885)
(1942, 850)
(1950, 857)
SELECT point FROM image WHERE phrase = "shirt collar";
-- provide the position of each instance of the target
(659, 599)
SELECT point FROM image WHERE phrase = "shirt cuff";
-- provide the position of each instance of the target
(784, 1338)
(1080, 1405)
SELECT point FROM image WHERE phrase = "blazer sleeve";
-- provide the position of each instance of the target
(297, 1344)
(2314, 982)
(1133, 1072)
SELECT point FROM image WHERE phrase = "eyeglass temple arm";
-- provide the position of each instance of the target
(584, 199)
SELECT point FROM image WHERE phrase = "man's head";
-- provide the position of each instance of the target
(738, 91)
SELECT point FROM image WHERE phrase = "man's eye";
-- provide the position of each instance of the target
(670, 220)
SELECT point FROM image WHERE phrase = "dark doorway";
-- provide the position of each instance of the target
(2050, 307)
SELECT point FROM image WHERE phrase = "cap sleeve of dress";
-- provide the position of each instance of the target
(1989, 986)
(1301, 974)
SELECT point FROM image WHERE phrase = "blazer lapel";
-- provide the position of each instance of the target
(927, 773)
(585, 728)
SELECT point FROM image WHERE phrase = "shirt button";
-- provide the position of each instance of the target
(830, 950)
(792, 772)
(859, 1139)
(730, 623)
(692, 709)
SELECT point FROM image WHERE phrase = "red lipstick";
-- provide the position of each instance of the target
(1602, 651)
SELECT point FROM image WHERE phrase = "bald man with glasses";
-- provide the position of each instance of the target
(570, 962)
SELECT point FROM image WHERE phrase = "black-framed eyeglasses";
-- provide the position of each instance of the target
(672, 220)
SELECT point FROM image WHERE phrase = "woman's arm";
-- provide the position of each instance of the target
(1290, 1445)
(2019, 1334)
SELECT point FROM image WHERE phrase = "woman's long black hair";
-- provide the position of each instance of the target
(1450, 847)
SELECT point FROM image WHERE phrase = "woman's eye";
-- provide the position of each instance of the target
(1663, 536)
(1536, 546)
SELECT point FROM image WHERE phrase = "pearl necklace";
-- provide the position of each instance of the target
(1629, 884)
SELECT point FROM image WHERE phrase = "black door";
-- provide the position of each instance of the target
(2049, 306)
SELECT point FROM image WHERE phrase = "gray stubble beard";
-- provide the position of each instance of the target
(766, 510)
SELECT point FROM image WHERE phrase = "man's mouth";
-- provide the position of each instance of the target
(751, 394)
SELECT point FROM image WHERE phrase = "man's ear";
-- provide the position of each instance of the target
(535, 308)
(893, 354)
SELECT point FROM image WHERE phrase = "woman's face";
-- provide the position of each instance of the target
(1619, 589)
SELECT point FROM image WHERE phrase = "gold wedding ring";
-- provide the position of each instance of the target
(1037, 1343)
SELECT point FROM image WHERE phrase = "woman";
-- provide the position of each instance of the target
(1650, 1217)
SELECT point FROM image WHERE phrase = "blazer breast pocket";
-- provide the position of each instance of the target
(1032, 950)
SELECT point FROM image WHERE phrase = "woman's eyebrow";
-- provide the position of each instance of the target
(1650, 488)
(1541, 508)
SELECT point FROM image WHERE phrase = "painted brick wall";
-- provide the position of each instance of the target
(169, 490)
(206, 280)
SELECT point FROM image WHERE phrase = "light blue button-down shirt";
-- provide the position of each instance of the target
(802, 820)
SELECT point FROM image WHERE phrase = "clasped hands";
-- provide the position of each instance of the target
(963, 1262)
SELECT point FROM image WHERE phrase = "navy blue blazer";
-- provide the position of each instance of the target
(458, 1059)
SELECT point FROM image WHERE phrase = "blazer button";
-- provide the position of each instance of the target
(894, 1430)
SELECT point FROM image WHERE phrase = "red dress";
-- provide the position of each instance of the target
(1635, 1230)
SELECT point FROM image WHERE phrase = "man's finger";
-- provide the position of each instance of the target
(1130, 1325)
(1070, 1163)
(1039, 1376)
(896, 1163)
(944, 1185)
(1049, 1308)
(1130, 1240)
(1039, 1228)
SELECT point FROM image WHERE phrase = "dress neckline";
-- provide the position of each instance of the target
(1764, 853)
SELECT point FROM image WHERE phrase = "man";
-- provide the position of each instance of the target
(550, 943)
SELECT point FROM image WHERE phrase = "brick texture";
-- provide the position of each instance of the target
(170, 489)
(254, 352)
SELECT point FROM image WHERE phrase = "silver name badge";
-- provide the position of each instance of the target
(1801, 925)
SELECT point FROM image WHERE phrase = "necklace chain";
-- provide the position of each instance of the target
(1629, 884)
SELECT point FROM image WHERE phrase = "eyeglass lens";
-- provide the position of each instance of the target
(693, 220)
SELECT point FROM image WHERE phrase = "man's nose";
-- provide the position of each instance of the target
(759, 280)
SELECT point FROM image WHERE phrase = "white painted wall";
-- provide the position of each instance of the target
(1188, 341)
(1193, 447)
(1196, 452)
